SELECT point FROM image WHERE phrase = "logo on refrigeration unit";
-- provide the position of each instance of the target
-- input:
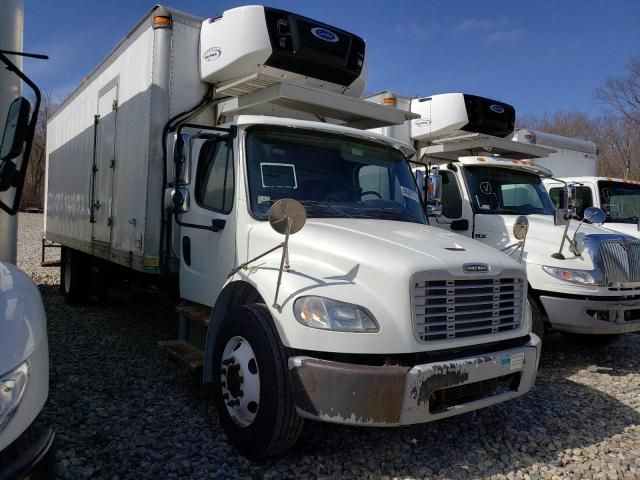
(211, 54)
(475, 267)
(496, 108)
(324, 34)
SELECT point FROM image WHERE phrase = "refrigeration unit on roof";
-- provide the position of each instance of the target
(253, 47)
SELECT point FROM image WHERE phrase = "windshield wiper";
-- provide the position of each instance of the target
(322, 207)
(394, 213)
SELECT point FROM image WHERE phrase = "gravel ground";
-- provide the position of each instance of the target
(122, 410)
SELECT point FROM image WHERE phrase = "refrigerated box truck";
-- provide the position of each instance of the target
(191, 140)
(584, 280)
(575, 161)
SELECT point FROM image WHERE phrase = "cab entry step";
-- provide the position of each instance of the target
(183, 352)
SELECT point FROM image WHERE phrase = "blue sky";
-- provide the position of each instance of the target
(541, 56)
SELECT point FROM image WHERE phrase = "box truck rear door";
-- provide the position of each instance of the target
(104, 163)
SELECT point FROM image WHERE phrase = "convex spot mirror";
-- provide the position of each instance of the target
(13, 138)
(287, 214)
(594, 215)
(521, 227)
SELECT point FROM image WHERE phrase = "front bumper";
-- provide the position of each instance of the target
(29, 456)
(577, 315)
(399, 395)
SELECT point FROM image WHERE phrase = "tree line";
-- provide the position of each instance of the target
(616, 132)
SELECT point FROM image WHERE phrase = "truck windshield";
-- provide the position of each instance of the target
(333, 176)
(496, 190)
(620, 201)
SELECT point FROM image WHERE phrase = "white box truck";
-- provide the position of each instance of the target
(25, 442)
(575, 161)
(583, 279)
(175, 156)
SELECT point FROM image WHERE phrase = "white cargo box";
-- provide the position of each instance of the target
(572, 157)
(105, 169)
(104, 143)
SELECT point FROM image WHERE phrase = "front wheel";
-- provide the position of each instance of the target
(537, 317)
(253, 393)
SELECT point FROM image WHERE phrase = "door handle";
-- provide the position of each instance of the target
(217, 224)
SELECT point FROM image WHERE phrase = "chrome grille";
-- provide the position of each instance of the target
(446, 309)
(620, 265)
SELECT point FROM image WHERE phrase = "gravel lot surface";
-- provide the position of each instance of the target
(122, 410)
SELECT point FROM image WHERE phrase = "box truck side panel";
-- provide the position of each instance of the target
(564, 163)
(97, 166)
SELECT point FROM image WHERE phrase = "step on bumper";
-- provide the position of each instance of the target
(398, 395)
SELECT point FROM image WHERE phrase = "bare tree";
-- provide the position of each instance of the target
(34, 185)
(621, 95)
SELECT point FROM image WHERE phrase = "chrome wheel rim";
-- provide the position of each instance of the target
(240, 381)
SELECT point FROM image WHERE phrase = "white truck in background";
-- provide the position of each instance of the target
(584, 280)
(575, 161)
(25, 443)
(176, 169)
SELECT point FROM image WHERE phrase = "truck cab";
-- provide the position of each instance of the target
(619, 198)
(583, 278)
(575, 161)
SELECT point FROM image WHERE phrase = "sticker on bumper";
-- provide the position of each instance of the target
(512, 361)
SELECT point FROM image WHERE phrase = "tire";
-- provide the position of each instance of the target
(271, 425)
(592, 340)
(537, 317)
(74, 276)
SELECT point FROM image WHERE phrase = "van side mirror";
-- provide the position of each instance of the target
(14, 136)
(421, 182)
(434, 192)
(181, 157)
(568, 203)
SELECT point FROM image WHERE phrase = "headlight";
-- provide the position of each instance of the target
(579, 277)
(327, 314)
(12, 386)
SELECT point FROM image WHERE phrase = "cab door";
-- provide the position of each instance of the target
(206, 231)
(456, 212)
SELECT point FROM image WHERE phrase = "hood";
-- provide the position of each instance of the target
(22, 319)
(402, 247)
(543, 238)
(626, 228)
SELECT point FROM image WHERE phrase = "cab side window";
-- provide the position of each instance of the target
(214, 184)
(451, 198)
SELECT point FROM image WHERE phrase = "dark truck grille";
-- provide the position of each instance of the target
(448, 309)
(620, 263)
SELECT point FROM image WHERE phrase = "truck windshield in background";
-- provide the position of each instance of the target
(333, 176)
(497, 190)
(620, 201)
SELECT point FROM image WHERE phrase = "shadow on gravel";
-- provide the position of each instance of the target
(121, 408)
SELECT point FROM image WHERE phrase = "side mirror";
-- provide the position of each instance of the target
(594, 215)
(568, 204)
(181, 156)
(13, 139)
(460, 225)
(434, 192)
(421, 182)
